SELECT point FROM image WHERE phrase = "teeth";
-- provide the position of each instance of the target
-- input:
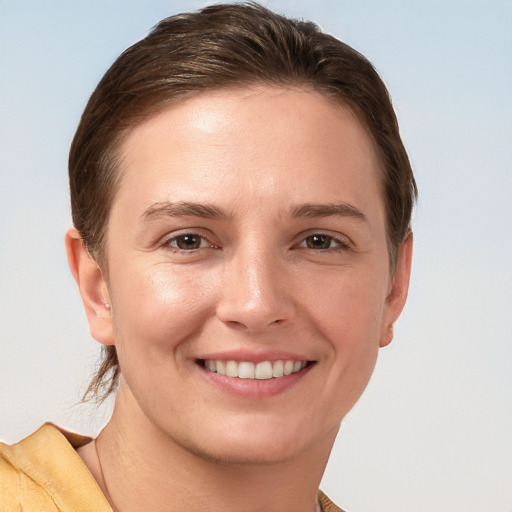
(288, 367)
(246, 370)
(221, 368)
(261, 371)
(231, 369)
(278, 369)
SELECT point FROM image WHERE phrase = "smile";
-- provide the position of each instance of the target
(247, 370)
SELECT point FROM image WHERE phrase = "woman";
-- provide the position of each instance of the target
(241, 203)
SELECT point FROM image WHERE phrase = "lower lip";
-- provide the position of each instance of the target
(256, 388)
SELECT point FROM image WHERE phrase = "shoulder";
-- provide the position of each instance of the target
(43, 472)
(326, 504)
(16, 465)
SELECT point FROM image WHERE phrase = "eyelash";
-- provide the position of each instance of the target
(340, 245)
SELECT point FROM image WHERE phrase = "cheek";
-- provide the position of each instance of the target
(350, 306)
(349, 318)
(154, 310)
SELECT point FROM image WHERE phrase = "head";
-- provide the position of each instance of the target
(224, 47)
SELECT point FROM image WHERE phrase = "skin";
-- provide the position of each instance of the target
(257, 284)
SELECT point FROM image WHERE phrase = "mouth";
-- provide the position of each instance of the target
(264, 370)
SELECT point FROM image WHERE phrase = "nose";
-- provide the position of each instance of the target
(257, 291)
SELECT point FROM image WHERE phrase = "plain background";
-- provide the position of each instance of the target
(434, 429)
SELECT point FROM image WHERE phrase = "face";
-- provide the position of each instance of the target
(248, 272)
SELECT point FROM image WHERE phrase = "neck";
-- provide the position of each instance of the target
(144, 469)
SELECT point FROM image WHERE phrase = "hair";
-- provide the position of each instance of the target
(224, 46)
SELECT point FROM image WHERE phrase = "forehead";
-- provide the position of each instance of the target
(261, 141)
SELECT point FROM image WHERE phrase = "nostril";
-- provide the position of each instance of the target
(252, 322)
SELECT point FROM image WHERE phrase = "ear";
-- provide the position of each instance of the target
(395, 301)
(92, 286)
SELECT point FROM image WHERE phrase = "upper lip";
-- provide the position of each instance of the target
(253, 356)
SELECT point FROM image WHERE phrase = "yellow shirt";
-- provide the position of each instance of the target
(44, 473)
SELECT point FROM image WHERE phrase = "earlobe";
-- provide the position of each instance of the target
(92, 286)
(399, 289)
(387, 336)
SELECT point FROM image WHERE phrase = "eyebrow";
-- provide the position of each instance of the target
(311, 210)
(182, 209)
(191, 209)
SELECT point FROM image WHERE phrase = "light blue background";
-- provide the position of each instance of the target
(434, 429)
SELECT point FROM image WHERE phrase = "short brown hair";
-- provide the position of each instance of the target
(221, 46)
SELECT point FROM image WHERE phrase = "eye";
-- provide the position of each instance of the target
(322, 242)
(188, 242)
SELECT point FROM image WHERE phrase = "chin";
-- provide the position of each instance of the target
(254, 445)
(245, 454)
